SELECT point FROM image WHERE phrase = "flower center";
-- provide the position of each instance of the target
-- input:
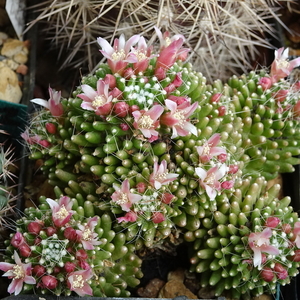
(140, 55)
(283, 64)
(180, 117)
(87, 234)
(210, 179)
(145, 122)
(78, 282)
(161, 177)
(118, 55)
(18, 271)
(206, 149)
(123, 199)
(62, 213)
(98, 101)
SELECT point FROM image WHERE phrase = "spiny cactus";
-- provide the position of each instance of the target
(223, 35)
(249, 244)
(69, 252)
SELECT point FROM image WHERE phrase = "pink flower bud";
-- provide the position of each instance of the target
(281, 272)
(124, 126)
(158, 217)
(56, 270)
(116, 93)
(49, 282)
(227, 184)
(296, 256)
(128, 73)
(84, 265)
(50, 231)
(286, 228)
(25, 250)
(280, 95)
(44, 143)
(267, 274)
(296, 109)
(141, 187)
(215, 98)
(222, 157)
(17, 240)
(152, 138)
(34, 227)
(121, 109)
(37, 241)
(133, 108)
(69, 267)
(81, 254)
(51, 128)
(160, 73)
(265, 83)
(272, 222)
(167, 198)
(233, 169)
(178, 99)
(129, 217)
(70, 234)
(38, 270)
(110, 80)
(222, 110)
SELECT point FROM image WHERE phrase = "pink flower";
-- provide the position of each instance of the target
(177, 82)
(227, 184)
(121, 109)
(70, 234)
(177, 118)
(130, 216)
(281, 67)
(123, 197)
(34, 227)
(160, 175)
(280, 95)
(259, 242)
(267, 274)
(215, 98)
(280, 271)
(49, 282)
(38, 270)
(61, 210)
(157, 217)
(19, 273)
(147, 121)
(209, 180)
(30, 139)
(167, 198)
(118, 56)
(78, 282)
(53, 104)
(209, 149)
(110, 80)
(99, 101)
(87, 235)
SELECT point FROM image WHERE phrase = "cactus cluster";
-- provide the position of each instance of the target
(146, 142)
(62, 250)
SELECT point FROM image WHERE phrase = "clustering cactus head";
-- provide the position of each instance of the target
(146, 141)
(57, 250)
(249, 244)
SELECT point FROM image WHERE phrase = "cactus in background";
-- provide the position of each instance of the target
(58, 248)
(223, 35)
(249, 244)
(146, 141)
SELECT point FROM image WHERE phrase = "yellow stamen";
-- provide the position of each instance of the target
(180, 117)
(87, 234)
(145, 122)
(98, 101)
(118, 55)
(18, 272)
(123, 199)
(78, 283)
(62, 213)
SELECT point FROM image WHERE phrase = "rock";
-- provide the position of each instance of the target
(152, 289)
(9, 85)
(15, 49)
(22, 69)
(3, 37)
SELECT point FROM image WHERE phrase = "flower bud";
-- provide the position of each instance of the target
(157, 217)
(115, 93)
(129, 72)
(167, 198)
(51, 128)
(25, 250)
(44, 143)
(50, 231)
(215, 98)
(110, 80)
(81, 254)
(222, 110)
(222, 157)
(133, 108)
(37, 241)
(17, 240)
(267, 274)
(280, 95)
(160, 73)
(296, 256)
(49, 282)
(265, 83)
(141, 187)
(286, 228)
(233, 169)
(121, 109)
(34, 227)
(84, 265)
(69, 267)
(227, 184)
(70, 234)
(272, 222)
(38, 270)
(281, 272)
(124, 126)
